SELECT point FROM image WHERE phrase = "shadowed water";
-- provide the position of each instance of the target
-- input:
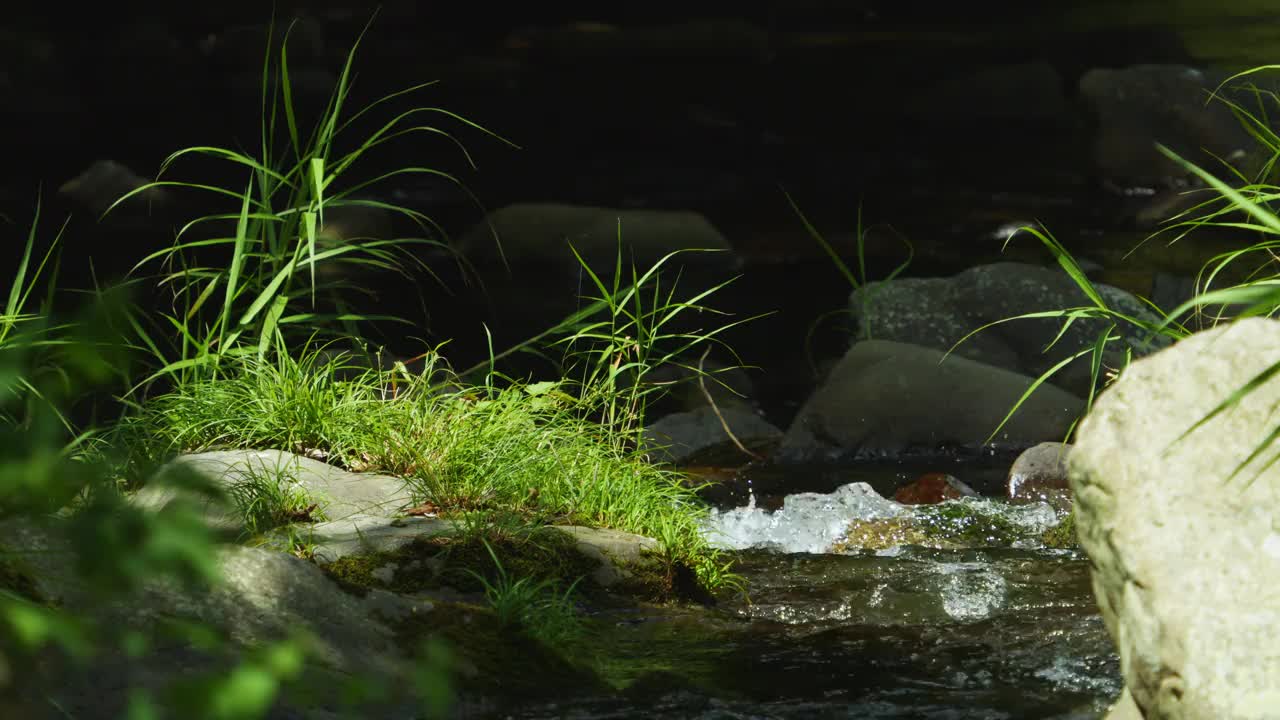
(907, 632)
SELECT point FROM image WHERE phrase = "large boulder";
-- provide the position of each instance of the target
(886, 398)
(1184, 550)
(939, 312)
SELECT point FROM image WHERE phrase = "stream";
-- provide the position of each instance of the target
(1005, 631)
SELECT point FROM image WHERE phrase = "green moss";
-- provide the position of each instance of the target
(946, 525)
(543, 554)
(1062, 535)
(883, 533)
(354, 573)
(434, 563)
(967, 524)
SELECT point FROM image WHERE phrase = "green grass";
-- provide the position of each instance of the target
(522, 448)
(270, 497)
(535, 606)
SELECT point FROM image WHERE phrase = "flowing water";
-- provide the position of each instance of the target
(1006, 631)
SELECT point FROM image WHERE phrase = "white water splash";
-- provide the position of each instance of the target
(807, 522)
(971, 591)
(814, 522)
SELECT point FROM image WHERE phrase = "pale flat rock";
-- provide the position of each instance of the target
(337, 492)
(365, 534)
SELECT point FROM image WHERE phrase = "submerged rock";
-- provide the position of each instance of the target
(546, 234)
(949, 525)
(1181, 531)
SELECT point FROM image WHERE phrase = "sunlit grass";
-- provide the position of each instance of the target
(270, 496)
(524, 448)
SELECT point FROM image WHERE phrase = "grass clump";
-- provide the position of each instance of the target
(523, 449)
(269, 497)
(536, 607)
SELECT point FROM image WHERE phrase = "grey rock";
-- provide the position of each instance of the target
(680, 436)
(940, 312)
(264, 597)
(613, 550)
(338, 493)
(885, 398)
(106, 181)
(1185, 557)
(362, 508)
(364, 534)
(616, 552)
(543, 233)
(1040, 475)
(1141, 105)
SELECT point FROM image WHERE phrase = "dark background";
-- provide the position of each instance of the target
(944, 122)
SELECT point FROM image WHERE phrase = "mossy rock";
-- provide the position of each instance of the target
(1062, 535)
(884, 533)
(948, 525)
(966, 524)
(549, 553)
(442, 562)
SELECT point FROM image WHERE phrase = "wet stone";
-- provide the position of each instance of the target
(932, 488)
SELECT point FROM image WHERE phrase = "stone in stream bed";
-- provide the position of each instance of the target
(939, 312)
(354, 514)
(932, 488)
(1040, 475)
(404, 584)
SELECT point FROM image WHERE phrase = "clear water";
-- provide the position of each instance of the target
(908, 632)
